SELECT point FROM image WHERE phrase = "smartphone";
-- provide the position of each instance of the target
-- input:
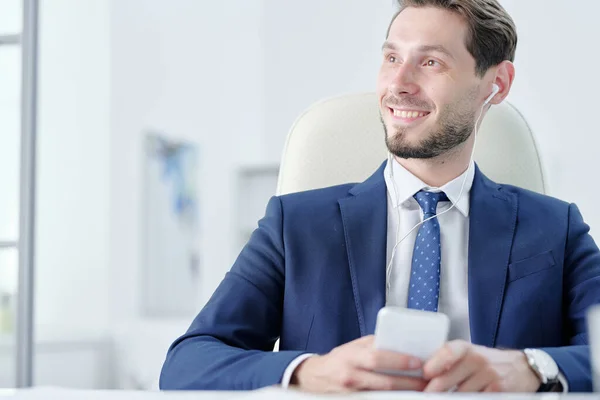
(413, 332)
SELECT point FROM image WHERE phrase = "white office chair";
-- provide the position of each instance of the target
(341, 140)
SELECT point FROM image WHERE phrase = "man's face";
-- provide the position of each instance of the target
(429, 94)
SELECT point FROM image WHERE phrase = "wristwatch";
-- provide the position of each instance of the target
(544, 367)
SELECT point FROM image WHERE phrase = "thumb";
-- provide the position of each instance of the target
(365, 341)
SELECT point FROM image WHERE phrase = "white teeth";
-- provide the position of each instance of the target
(408, 114)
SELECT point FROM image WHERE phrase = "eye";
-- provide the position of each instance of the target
(432, 63)
(391, 59)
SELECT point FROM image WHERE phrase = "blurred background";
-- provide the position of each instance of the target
(160, 126)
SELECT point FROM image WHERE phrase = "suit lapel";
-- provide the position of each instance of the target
(492, 222)
(364, 216)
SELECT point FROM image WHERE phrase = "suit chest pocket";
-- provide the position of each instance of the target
(529, 266)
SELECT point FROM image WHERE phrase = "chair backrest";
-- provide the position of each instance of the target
(341, 140)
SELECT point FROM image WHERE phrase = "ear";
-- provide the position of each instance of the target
(504, 77)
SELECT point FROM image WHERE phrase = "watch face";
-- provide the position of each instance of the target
(545, 364)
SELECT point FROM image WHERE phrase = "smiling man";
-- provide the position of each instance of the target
(515, 271)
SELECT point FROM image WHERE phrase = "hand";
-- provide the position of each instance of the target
(351, 367)
(469, 368)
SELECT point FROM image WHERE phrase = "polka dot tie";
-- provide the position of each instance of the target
(424, 286)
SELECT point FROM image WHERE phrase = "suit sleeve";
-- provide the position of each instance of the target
(581, 291)
(229, 344)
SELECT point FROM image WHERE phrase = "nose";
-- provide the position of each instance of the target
(403, 81)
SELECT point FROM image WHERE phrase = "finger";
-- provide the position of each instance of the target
(382, 360)
(493, 387)
(365, 341)
(445, 358)
(366, 380)
(478, 382)
(463, 371)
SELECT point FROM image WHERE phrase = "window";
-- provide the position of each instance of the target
(11, 17)
(10, 82)
(10, 134)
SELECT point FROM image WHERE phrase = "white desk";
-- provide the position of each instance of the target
(263, 394)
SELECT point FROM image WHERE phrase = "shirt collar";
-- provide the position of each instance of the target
(407, 185)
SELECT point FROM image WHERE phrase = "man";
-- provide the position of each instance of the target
(512, 269)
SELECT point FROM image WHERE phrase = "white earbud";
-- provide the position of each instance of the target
(495, 89)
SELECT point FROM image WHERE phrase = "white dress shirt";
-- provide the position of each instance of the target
(454, 241)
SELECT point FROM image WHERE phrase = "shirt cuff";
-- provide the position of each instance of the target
(289, 371)
(563, 382)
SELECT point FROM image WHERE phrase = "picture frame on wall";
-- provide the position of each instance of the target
(171, 241)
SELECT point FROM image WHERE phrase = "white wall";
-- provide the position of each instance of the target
(10, 73)
(73, 180)
(316, 49)
(555, 88)
(193, 70)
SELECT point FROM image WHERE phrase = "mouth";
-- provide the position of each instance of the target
(407, 116)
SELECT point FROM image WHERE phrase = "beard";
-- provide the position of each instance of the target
(454, 126)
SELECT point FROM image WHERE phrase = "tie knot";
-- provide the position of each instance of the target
(429, 200)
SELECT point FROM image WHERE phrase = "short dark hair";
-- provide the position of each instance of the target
(492, 35)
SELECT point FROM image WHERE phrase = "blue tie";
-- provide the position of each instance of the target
(424, 287)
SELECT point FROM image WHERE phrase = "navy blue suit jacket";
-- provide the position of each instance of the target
(313, 275)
